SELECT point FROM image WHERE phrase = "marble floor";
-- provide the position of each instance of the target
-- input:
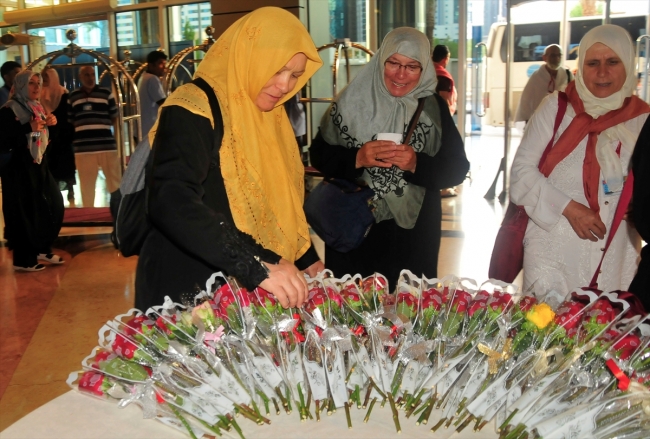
(49, 320)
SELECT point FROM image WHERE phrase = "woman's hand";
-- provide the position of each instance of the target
(315, 268)
(286, 283)
(37, 124)
(404, 158)
(50, 120)
(585, 222)
(375, 153)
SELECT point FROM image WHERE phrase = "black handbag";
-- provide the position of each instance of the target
(340, 211)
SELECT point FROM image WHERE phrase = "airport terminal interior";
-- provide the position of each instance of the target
(49, 319)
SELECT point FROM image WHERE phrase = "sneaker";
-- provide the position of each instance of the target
(51, 258)
(37, 267)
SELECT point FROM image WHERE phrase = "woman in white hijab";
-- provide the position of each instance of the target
(406, 179)
(54, 98)
(31, 201)
(572, 199)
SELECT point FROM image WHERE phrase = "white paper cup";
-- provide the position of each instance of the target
(395, 137)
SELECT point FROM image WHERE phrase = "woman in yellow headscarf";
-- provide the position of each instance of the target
(225, 191)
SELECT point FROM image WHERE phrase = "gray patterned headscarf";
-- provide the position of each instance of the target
(26, 109)
(365, 108)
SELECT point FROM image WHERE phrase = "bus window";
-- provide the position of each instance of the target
(634, 25)
(531, 39)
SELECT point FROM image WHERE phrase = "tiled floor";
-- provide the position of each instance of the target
(49, 320)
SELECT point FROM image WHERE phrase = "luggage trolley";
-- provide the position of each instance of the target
(123, 86)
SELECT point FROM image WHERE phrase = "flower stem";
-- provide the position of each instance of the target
(347, 415)
(372, 404)
(183, 420)
(395, 415)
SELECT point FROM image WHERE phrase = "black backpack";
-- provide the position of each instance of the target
(128, 203)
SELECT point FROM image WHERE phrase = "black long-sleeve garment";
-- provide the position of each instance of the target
(389, 248)
(193, 233)
(640, 285)
(31, 202)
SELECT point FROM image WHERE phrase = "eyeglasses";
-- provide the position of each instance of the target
(411, 69)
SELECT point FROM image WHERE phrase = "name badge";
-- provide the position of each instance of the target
(88, 107)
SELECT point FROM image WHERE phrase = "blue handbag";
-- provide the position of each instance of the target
(340, 212)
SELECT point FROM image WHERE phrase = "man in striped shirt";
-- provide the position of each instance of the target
(92, 111)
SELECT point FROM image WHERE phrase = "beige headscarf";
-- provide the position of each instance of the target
(260, 164)
(51, 95)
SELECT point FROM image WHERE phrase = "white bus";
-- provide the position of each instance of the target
(530, 39)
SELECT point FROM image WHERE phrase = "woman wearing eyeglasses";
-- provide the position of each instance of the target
(406, 179)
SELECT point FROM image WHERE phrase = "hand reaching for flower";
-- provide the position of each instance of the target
(286, 283)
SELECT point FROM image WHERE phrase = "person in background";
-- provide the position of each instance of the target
(93, 112)
(550, 77)
(296, 113)
(225, 191)
(447, 90)
(31, 201)
(572, 199)
(8, 71)
(640, 213)
(406, 179)
(150, 89)
(60, 155)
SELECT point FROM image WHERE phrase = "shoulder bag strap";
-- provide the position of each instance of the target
(414, 121)
(621, 210)
(216, 114)
(562, 100)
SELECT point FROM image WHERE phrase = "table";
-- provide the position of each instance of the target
(76, 416)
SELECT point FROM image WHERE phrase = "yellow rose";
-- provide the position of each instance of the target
(541, 315)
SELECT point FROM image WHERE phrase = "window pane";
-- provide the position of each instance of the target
(392, 14)
(90, 35)
(39, 3)
(187, 25)
(137, 31)
(348, 20)
(132, 2)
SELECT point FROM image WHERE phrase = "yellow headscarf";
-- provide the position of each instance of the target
(260, 164)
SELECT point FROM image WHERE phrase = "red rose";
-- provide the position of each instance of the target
(261, 297)
(123, 347)
(102, 355)
(161, 322)
(91, 382)
(351, 293)
(334, 296)
(316, 300)
(461, 301)
(374, 283)
(500, 301)
(566, 316)
(408, 299)
(627, 345)
(526, 303)
(602, 311)
(223, 298)
(432, 298)
(134, 325)
(479, 302)
(476, 306)
(610, 335)
(244, 297)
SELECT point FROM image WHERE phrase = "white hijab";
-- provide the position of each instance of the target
(617, 39)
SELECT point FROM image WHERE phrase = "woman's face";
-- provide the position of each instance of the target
(281, 83)
(603, 71)
(46, 79)
(34, 88)
(401, 74)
